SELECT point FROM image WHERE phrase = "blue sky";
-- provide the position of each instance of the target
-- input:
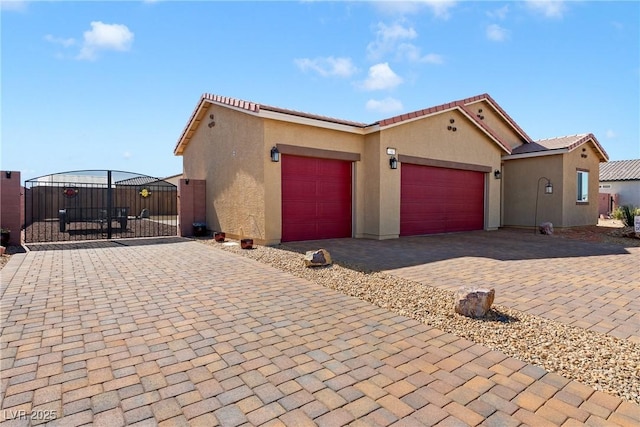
(111, 85)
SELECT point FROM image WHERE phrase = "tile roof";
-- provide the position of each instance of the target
(561, 143)
(252, 107)
(620, 170)
(143, 180)
(462, 104)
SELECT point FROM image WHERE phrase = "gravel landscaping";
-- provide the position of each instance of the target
(604, 362)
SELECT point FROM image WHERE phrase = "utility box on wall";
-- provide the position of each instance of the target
(11, 207)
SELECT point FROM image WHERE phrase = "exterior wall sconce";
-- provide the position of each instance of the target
(7, 174)
(497, 174)
(275, 154)
(393, 163)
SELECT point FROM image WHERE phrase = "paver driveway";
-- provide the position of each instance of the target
(185, 334)
(585, 284)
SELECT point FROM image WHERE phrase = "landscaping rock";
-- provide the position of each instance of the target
(473, 302)
(317, 258)
(546, 228)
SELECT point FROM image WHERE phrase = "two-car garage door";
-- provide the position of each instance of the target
(316, 198)
(440, 200)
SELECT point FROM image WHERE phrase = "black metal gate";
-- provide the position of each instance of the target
(99, 204)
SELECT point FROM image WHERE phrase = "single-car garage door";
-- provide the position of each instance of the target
(440, 200)
(316, 198)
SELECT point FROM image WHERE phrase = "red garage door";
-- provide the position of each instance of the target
(440, 200)
(316, 198)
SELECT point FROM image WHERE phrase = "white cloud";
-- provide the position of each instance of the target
(440, 8)
(127, 155)
(610, 134)
(500, 13)
(549, 8)
(13, 5)
(381, 76)
(385, 106)
(105, 37)
(496, 33)
(329, 66)
(412, 53)
(59, 40)
(387, 37)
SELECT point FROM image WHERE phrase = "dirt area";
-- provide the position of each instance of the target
(607, 231)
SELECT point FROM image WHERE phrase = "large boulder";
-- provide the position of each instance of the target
(474, 302)
(317, 258)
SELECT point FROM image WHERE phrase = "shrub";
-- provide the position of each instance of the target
(625, 214)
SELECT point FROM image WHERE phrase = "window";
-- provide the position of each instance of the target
(583, 186)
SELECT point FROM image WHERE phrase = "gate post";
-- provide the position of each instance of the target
(10, 206)
(191, 204)
(109, 204)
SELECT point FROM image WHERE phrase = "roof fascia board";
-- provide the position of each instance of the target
(598, 147)
(535, 154)
(494, 105)
(455, 107)
(274, 115)
(185, 137)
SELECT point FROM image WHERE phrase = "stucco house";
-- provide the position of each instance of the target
(619, 184)
(276, 175)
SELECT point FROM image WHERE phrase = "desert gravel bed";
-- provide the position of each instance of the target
(604, 362)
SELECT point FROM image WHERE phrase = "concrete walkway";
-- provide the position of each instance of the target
(184, 334)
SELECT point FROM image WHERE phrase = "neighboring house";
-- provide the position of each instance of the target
(619, 184)
(461, 166)
(174, 179)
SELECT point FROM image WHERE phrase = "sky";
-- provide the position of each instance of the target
(111, 85)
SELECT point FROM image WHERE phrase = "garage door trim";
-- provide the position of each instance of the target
(422, 161)
(296, 150)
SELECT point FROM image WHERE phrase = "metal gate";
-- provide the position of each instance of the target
(98, 204)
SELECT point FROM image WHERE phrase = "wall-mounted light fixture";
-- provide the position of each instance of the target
(497, 174)
(275, 154)
(7, 174)
(186, 181)
(393, 163)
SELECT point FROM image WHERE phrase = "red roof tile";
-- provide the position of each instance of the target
(561, 143)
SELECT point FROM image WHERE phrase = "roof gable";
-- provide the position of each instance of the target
(620, 170)
(560, 145)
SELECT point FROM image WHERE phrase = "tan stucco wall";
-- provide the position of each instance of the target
(371, 187)
(561, 208)
(429, 138)
(244, 187)
(497, 123)
(576, 214)
(522, 180)
(227, 157)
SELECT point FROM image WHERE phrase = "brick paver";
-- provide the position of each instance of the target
(185, 334)
(584, 284)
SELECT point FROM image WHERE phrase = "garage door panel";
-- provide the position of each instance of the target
(301, 209)
(316, 198)
(440, 200)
